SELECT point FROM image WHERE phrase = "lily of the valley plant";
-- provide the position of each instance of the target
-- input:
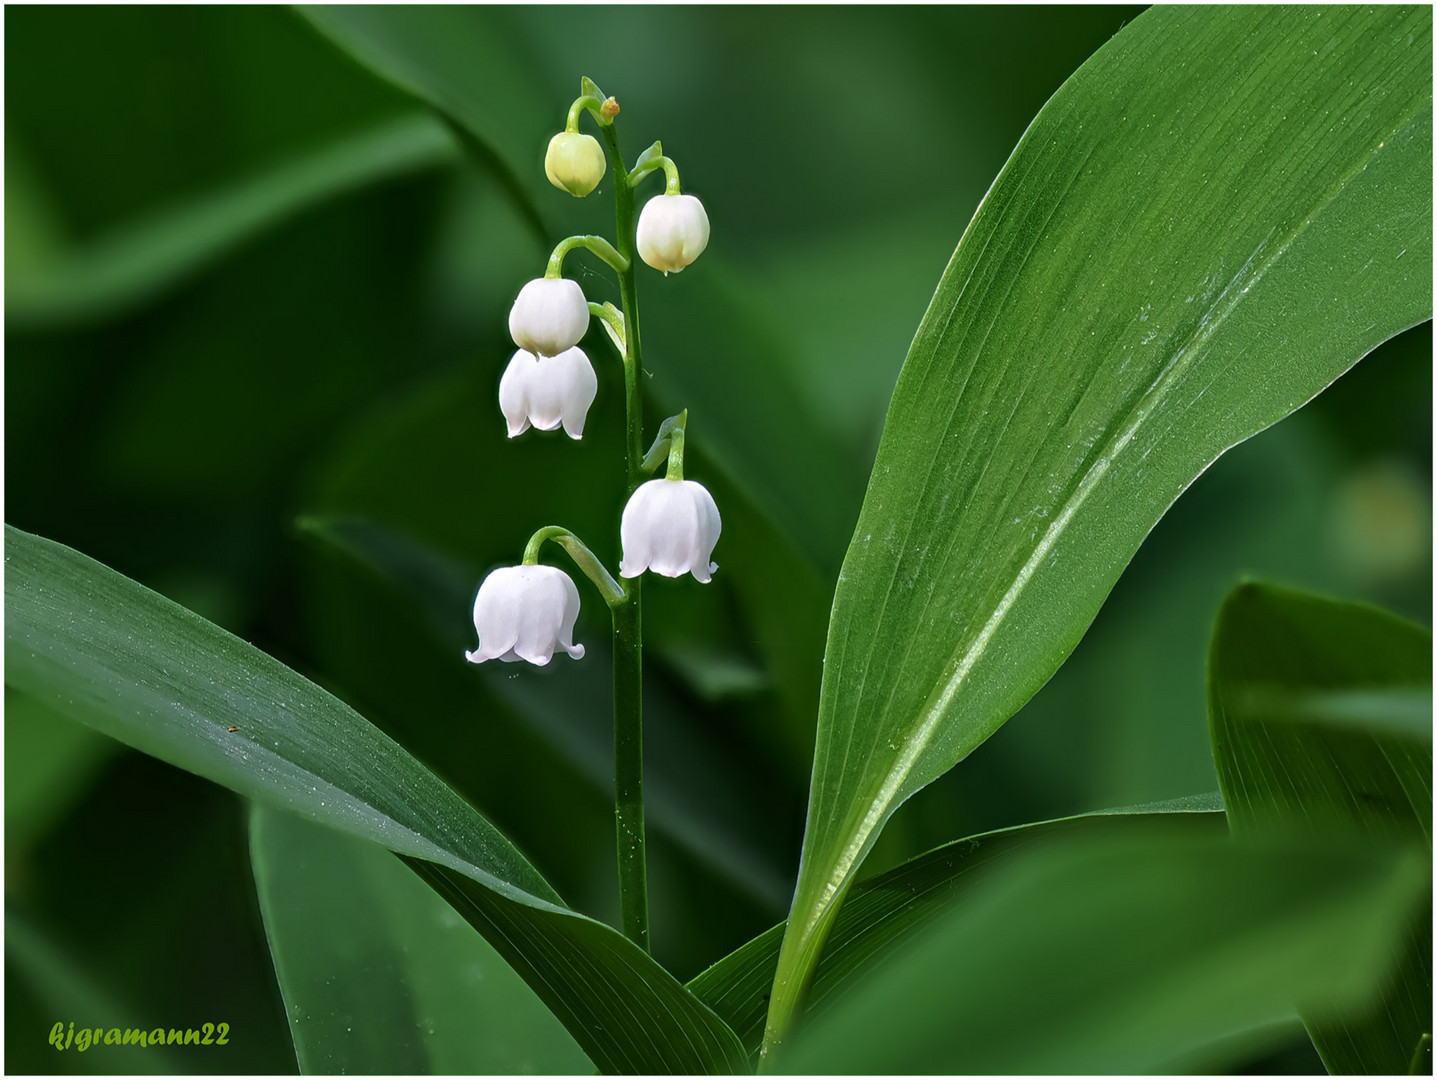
(669, 525)
(1214, 218)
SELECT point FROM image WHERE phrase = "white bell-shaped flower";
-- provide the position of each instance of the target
(525, 613)
(673, 232)
(669, 527)
(548, 391)
(549, 316)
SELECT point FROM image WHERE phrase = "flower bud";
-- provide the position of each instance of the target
(525, 613)
(548, 392)
(549, 316)
(673, 232)
(574, 163)
(669, 527)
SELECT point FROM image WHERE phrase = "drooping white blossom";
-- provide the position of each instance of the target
(574, 162)
(549, 316)
(525, 613)
(548, 391)
(669, 527)
(673, 231)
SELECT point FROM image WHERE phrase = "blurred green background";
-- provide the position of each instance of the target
(255, 322)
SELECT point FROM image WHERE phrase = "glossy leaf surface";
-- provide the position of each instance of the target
(1216, 216)
(1167, 949)
(379, 975)
(104, 650)
(1303, 692)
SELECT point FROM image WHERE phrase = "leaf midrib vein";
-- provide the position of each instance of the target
(914, 747)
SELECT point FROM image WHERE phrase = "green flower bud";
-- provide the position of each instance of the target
(575, 162)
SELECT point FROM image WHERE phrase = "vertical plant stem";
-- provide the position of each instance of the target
(629, 772)
(628, 617)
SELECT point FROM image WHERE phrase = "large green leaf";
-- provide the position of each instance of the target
(1213, 219)
(134, 263)
(102, 649)
(379, 975)
(886, 910)
(1303, 693)
(1163, 949)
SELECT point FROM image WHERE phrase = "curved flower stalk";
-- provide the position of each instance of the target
(669, 526)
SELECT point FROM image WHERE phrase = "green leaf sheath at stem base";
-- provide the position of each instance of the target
(797, 961)
(629, 617)
(1149, 282)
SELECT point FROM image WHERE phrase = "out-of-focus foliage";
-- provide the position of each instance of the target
(341, 359)
(1130, 955)
(887, 910)
(1322, 729)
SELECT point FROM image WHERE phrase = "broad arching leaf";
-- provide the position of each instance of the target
(1216, 216)
(104, 650)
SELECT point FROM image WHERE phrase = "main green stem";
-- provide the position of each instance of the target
(628, 617)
